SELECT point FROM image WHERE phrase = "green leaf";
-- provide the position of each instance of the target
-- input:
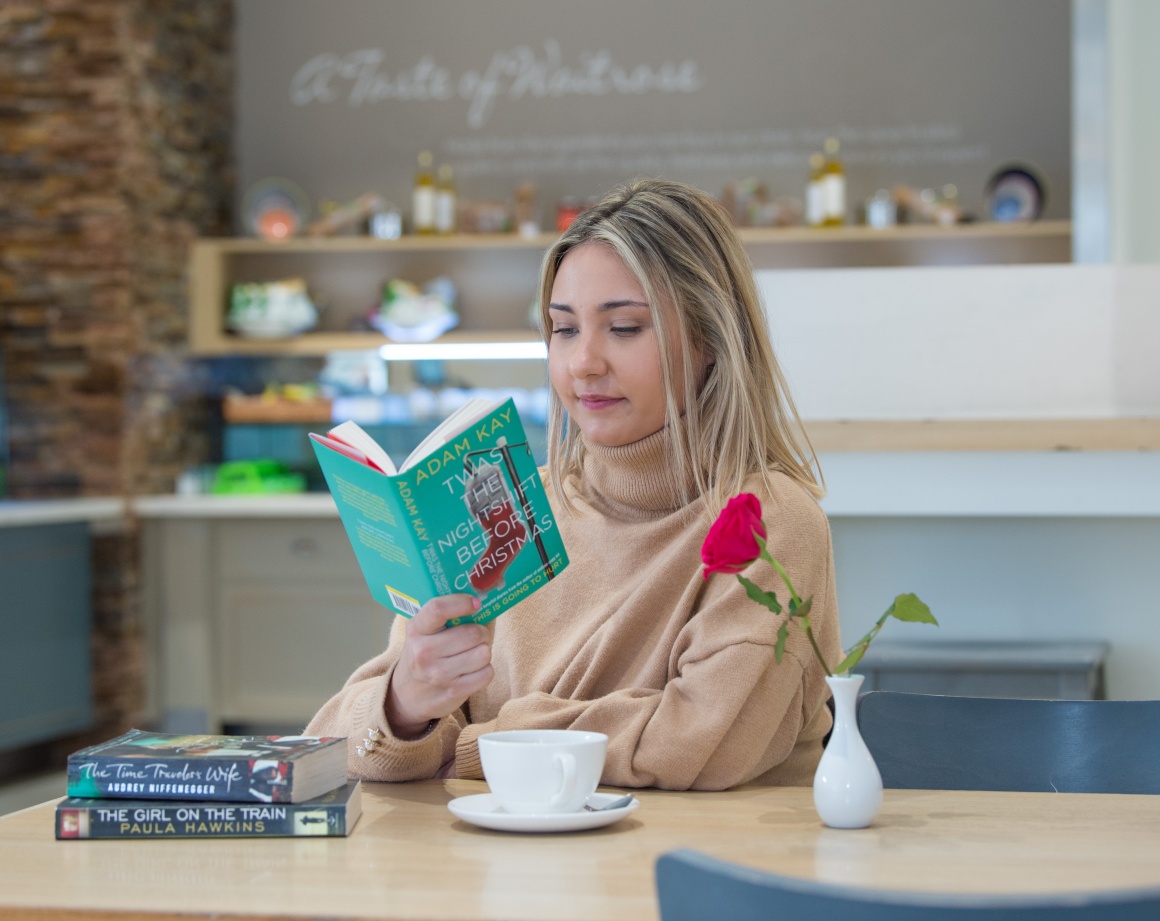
(769, 599)
(799, 608)
(910, 608)
(852, 659)
(905, 607)
(782, 635)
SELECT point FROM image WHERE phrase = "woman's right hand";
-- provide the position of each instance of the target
(439, 667)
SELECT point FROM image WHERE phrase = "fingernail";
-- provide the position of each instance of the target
(476, 604)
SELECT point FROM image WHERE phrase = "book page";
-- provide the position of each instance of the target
(350, 433)
(341, 447)
(471, 411)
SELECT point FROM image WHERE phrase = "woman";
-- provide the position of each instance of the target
(666, 400)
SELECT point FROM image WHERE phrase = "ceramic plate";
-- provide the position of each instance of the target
(483, 810)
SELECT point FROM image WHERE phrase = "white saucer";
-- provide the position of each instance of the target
(483, 810)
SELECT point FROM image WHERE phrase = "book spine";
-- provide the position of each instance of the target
(408, 511)
(377, 513)
(196, 820)
(412, 513)
(206, 779)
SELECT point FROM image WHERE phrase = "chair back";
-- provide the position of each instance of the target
(934, 742)
(696, 887)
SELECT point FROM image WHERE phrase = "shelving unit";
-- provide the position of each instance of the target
(496, 274)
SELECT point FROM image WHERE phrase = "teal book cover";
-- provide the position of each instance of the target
(228, 768)
(468, 515)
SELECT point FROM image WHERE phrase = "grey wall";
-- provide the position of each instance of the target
(1023, 579)
(340, 95)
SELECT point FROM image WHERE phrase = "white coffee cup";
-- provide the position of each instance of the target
(542, 770)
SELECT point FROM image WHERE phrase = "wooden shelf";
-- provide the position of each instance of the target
(496, 273)
(350, 244)
(321, 343)
(917, 232)
(1127, 434)
(908, 245)
(749, 235)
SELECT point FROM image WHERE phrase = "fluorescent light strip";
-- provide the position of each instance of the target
(461, 351)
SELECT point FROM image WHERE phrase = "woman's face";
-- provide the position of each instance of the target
(604, 357)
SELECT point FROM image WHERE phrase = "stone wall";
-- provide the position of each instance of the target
(115, 123)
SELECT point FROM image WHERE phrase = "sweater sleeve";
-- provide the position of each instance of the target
(729, 713)
(357, 711)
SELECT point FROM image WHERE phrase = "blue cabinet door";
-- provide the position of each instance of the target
(45, 627)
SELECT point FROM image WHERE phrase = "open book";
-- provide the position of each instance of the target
(465, 512)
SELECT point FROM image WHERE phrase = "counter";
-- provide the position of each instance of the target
(1004, 547)
(859, 484)
(101, 513)
(300, 505)
(238, 592)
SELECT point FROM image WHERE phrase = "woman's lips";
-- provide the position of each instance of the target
(591, 401)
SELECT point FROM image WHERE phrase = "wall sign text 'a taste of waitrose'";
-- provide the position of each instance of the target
(360, 77)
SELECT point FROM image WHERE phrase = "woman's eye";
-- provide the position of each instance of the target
(626, 330)
(563, 330)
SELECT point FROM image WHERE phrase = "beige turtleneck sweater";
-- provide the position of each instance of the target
(629, 640)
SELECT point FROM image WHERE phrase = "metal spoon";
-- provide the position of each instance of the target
(619, 803)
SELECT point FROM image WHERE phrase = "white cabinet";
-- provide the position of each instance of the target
(255, 622)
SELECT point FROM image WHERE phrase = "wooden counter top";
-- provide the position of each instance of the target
(409, 858)
(15, 513)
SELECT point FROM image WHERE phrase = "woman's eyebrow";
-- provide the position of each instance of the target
(607, 305)
(627, 302)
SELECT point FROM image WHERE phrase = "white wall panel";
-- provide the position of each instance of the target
(981, 342)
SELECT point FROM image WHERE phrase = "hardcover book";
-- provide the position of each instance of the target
(465, 512)
(164, 766)
(333, 814)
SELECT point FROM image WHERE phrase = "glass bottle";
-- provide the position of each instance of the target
(445, 201)
(815, 201)
(833, 186)
(423, 196)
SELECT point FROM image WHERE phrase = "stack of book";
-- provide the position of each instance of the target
(161, 785)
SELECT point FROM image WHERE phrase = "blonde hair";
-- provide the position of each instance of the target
(739, 416)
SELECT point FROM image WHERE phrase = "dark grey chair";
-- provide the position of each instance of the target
(695, 887)
(934, 742)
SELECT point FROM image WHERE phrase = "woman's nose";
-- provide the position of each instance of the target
(588, 358)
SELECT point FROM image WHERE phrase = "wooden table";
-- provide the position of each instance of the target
(409, 858)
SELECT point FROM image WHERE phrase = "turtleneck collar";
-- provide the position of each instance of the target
(634, 481)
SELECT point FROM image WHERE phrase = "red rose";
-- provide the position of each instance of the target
(731, 543)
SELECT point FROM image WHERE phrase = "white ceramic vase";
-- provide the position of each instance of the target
(847, 785)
